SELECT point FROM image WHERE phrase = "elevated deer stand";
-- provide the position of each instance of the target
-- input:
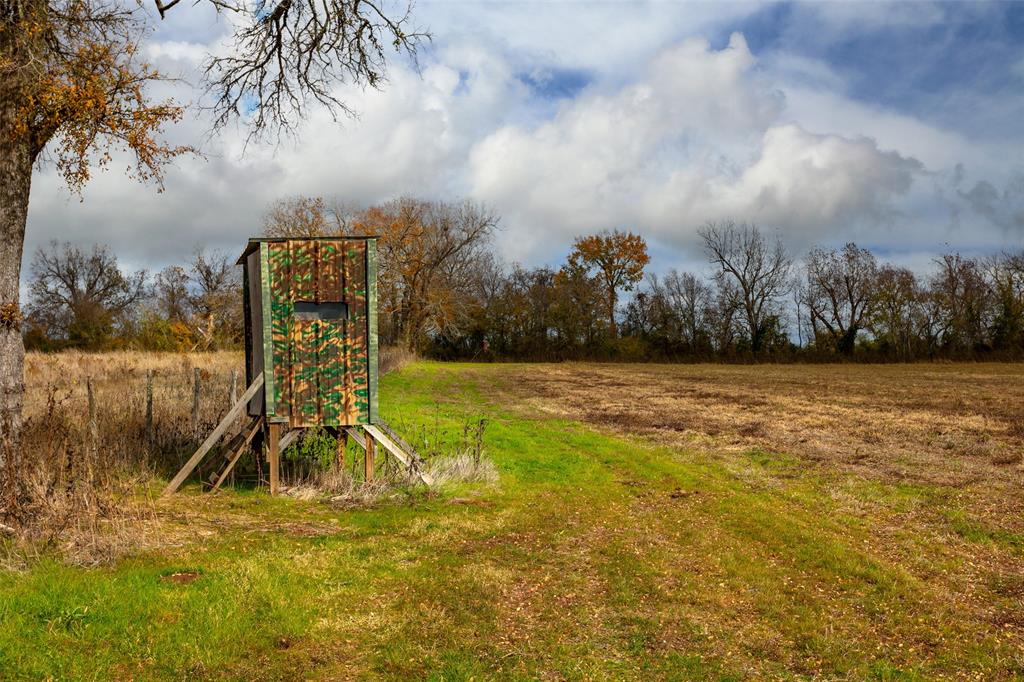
(311, 354)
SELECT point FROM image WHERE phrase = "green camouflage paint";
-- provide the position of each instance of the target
(281, 325)
(330, 359)
(304, 334)
(323, 371)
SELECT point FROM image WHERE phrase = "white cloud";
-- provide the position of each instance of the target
(818, 183)
(177, 50)
(609, 38)
(828, 112)
(696, 139)
(666, 133)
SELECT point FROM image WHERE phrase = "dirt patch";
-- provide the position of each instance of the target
(181, 577)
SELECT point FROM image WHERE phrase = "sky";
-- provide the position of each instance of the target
(898, 126)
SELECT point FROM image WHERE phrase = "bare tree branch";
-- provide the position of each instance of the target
(290, 54)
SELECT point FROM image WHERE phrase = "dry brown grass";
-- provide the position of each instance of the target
(462, 468)
(394, 358)
(56, 395)
(90, 493)
(341, 489)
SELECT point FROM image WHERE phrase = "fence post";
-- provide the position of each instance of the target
(94, 433)
(149, 409)
(233, 396)
(195, 400)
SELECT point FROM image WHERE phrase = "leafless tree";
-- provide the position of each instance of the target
(79, 296)
(170, 293)
(289, 54)
(840, 293)
(216, 300)
(753, 273)
(301, 216)
(723, 317)
(963, 300)
(898, 317)
(691, 300)
(797, 293)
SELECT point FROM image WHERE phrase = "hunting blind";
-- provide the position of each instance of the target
(310, 352)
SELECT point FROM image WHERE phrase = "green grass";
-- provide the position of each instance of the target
(595, 557)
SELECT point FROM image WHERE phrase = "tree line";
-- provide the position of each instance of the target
(444, 292)
(83, 299)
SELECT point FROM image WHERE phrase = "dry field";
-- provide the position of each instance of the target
(927, 457)
(57, 410)
(699, 522)
(959, 427)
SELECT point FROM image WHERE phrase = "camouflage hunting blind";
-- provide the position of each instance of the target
(311, 329)
(310, 356)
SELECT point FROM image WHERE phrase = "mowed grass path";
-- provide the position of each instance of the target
(596, 556)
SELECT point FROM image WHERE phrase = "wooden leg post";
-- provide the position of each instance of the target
(368, 468)
(196, 381)
(274, 455)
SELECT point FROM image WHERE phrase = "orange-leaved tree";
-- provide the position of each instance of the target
(74, 90)
(617, 259)
(428, 253)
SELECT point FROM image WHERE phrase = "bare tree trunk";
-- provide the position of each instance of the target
(611, 312)
(16, 156)
(756, 331)
(847, 341)
(756, 340)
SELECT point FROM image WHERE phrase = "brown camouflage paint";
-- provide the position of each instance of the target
(321, 368)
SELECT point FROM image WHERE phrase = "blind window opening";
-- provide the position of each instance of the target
(325, 310)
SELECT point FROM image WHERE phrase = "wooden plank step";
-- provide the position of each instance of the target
(399, 454)
(356, 436)
(248, 435)
(401, 442)
(289, 438)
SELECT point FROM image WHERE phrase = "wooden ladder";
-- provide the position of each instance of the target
(230, 418)
(233, 451)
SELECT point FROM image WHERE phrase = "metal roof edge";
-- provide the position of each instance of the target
(254, 242)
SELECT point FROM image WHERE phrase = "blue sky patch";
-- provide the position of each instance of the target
(554, 83)
(929, 68)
